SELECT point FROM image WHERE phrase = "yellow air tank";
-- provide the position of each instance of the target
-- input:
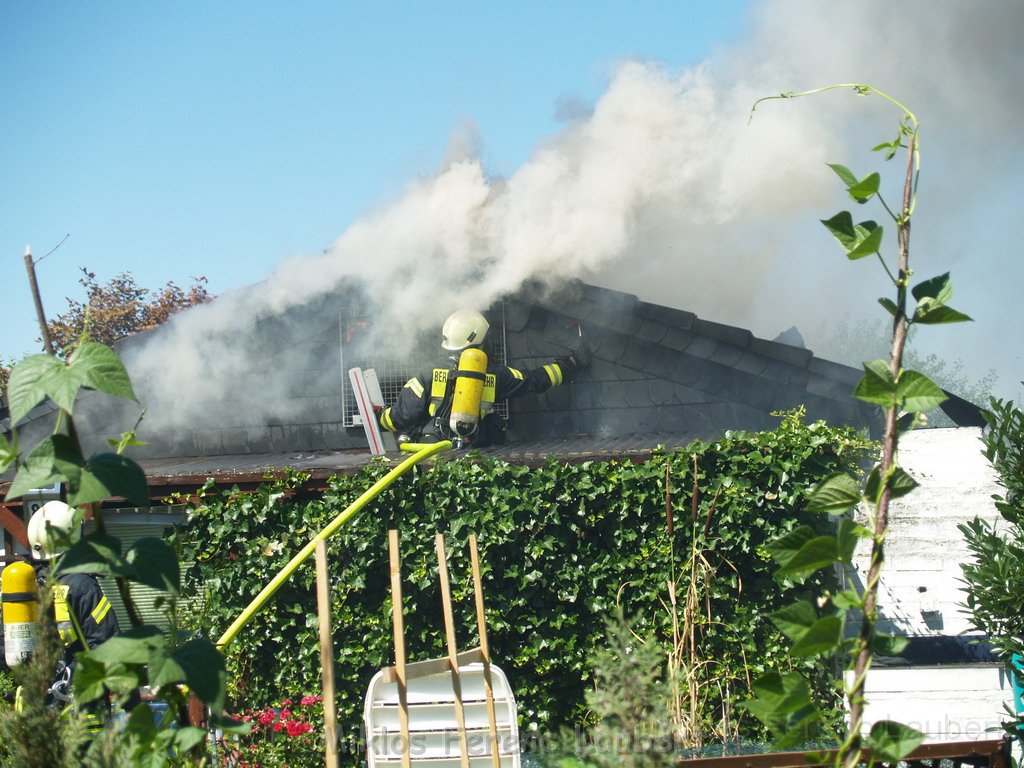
(469, 391)
(21, 612)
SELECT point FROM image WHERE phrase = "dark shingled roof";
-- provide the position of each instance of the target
(660, 377)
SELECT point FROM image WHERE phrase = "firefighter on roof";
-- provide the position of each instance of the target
(433, 404)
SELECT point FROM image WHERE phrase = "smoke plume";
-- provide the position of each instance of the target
(667, 189)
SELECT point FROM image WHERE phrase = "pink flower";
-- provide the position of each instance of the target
(278, 727)
(286, 703)
(285, 714)
(309, 701)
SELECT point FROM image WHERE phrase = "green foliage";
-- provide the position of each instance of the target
(784, 702)
(562, 547)
(141, 656)
(995, 573)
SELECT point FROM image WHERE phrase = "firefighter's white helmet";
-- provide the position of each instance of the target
(465, 328)
(53, 528)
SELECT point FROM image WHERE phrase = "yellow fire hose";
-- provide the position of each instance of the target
(422, 451)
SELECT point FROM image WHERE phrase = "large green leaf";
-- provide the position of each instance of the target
(137, 645)
(939, 289)
(54, 458)
(199, 665)
(888, 645)
(794, 620)
(25, 388)
(785, 705)
(890, 741)
(917, 392)
(866, 188)
(156, 564)
(98, 553)
(878, 385)
(841, 227)
(849, 533)
(800, 552)
(101, 369)
(61, 383)
(835, 494)
(869, 240)
(930, 312)
(844, 173)
(108, 475)
(8, 452)
(821, 637)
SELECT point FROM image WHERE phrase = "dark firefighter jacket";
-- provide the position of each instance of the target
(424, 404)
(84, 615)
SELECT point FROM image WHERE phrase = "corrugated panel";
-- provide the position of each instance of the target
(129, 528)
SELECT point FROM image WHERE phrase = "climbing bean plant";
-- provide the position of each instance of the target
(784, 701)
(563, 546)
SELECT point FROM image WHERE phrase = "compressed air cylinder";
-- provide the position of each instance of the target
(21, 612)
(469, 391)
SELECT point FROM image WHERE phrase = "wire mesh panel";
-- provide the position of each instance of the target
(395, 364)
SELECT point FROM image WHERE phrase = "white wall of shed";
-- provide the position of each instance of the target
(946, 703)
(921, 589)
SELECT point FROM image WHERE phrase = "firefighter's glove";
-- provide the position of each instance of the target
(580, 356)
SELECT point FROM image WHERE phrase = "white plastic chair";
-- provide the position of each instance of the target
(433, 731)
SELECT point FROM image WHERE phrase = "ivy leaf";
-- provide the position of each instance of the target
(101, 369)
(155, 564)
(917, 392)
(890, 741)
(878, 385)
(25, 388)
(835, 494)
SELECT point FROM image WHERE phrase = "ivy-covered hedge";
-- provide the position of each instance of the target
(561, 547)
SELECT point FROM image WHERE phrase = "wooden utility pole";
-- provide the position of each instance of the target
(43, 328)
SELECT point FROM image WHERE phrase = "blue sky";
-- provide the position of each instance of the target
(231, 140)
(176, 139)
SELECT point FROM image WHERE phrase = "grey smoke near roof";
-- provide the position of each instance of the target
(666, 191)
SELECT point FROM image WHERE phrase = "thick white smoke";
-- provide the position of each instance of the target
(665, 190)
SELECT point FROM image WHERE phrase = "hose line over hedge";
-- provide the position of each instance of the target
(423, 451)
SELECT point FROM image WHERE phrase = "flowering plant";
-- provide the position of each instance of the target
(289, 734)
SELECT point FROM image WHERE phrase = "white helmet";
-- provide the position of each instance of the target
(465, 328)
(53, 528)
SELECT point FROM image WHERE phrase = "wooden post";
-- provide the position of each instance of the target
(453, 652)
(323, 606)
(399, 632)
(481, 624)
(44, 329)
